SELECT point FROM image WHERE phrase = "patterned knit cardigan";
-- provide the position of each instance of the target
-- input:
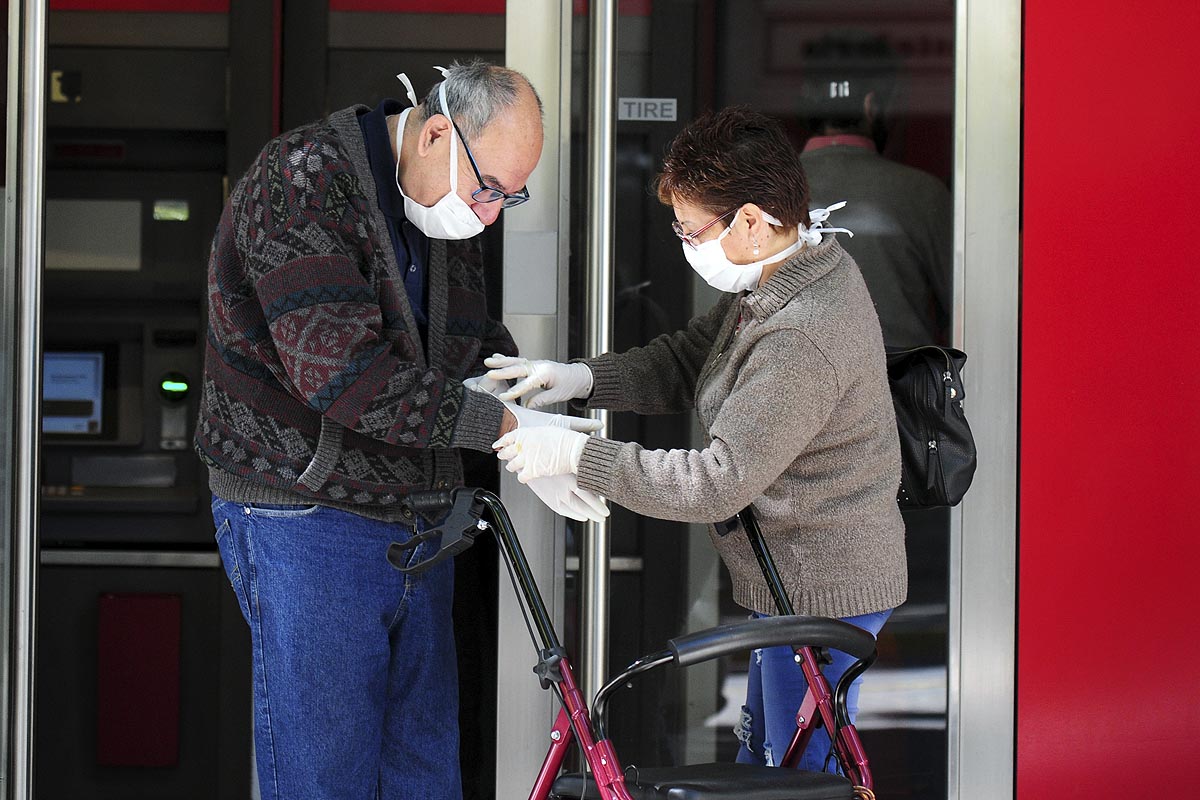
(316, 388)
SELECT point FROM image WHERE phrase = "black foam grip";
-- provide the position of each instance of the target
(431, 502)
(771, 632)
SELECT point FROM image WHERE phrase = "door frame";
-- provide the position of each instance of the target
(983, 550)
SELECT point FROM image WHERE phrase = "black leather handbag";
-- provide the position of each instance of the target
(937, 451)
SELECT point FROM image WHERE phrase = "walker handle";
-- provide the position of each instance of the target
(456, 533)
(694, 648)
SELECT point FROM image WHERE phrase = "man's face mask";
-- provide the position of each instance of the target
(450, 217)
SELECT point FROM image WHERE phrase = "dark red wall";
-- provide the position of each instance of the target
(1108, 696)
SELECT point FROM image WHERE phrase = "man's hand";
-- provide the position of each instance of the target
(495, 388)
(528, 418)
(509, 423)
(483, 383)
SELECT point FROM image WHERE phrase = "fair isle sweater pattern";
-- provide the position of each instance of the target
(316, 385)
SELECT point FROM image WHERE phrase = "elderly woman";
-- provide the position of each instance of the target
(787, 376)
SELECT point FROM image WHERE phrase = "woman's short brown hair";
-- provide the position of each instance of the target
(731, 157)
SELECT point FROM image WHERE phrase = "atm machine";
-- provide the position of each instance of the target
(143, 684)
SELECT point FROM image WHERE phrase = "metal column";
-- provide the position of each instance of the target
(602, 83)
(536, 267)
(983, 535)
(20, 348)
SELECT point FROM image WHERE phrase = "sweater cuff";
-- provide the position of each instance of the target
(479, 421)
(606, 381)
(597, 464)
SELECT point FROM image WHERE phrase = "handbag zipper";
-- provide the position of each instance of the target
(931, 445)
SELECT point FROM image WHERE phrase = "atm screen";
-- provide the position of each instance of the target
(73, 393)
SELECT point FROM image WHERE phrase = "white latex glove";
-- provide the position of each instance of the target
(538, 452)
(528, 418)
(561, 493)
(486, 385)
(546, 382)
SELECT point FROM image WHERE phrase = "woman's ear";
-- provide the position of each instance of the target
(751, 215)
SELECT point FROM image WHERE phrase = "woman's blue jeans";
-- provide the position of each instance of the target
(774, 692)
(354, 665)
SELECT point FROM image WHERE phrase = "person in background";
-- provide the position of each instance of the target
(902, 218)
(786, 374)
(346, 315)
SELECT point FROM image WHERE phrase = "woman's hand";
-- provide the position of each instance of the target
(561, 493)
(549, 381)
(540, 452)
(528, 418)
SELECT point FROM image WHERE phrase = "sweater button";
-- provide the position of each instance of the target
(442, 483)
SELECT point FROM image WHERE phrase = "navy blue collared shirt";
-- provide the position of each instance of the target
(408, 242)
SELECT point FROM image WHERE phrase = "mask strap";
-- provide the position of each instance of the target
(399, 144)
(811, 234)
(819, 215)
(408, 88)
(816, 217)
(412, 98)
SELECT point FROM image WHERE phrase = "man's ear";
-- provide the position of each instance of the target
(432, 129)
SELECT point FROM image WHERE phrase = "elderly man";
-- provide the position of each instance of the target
(346, 313)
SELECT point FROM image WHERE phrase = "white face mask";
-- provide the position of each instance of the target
(711, 263)
(450, 217)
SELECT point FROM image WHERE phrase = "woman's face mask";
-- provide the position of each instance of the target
(450, 217)
(709, 261)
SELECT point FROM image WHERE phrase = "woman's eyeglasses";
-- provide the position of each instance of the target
(486, 193)
(690, 238)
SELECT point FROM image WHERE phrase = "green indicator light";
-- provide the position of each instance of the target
(173, 386)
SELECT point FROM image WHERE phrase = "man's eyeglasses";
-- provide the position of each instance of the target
(486, 193)
(690, 238)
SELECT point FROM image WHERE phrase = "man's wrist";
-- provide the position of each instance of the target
(509, 423)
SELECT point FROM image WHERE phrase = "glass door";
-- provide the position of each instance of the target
(866, 90)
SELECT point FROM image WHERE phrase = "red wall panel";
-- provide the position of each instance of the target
(1108, 695)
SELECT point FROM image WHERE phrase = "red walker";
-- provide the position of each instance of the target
(605, 778)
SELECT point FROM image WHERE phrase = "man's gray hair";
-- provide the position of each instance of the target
(476, 93)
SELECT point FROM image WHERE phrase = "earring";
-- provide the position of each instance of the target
(756, 247)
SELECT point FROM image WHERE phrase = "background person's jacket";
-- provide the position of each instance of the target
(317, 386)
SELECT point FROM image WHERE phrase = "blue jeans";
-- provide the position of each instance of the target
(354, 665)
(774, 692)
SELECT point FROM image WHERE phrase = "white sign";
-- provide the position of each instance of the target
(647, 109)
